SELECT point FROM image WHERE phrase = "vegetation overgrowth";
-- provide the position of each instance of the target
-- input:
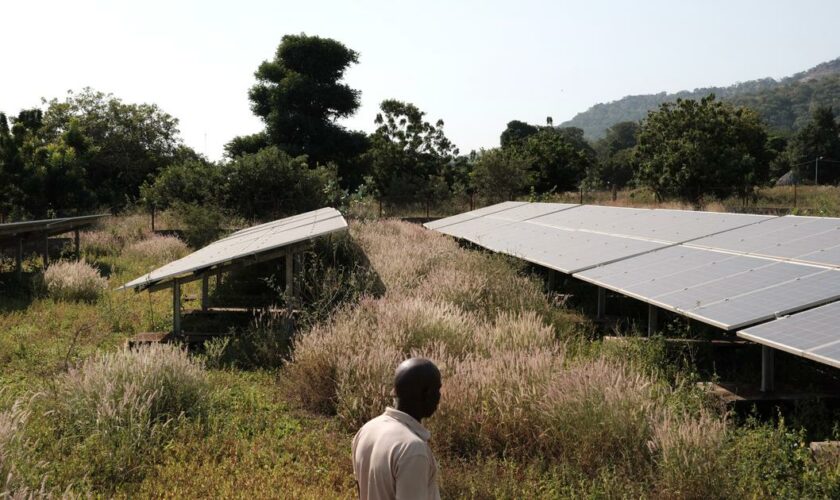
(532, 406)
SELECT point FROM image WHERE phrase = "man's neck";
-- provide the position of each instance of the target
(412, 412)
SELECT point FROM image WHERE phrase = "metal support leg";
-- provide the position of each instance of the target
(19, 259)
(205, 288)
(78, 246)
(552, 280)
(46, 255)
(652, 319)
(290, 279)
(602, 303)
(176, 307)
(768, 378)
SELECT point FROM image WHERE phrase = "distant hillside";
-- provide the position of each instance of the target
(783, 104)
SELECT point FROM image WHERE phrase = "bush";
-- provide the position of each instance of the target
(73, 281)
(110, 418)
(157, 249)
(200, 224)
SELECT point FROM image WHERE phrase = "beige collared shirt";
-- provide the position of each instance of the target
(392, 459)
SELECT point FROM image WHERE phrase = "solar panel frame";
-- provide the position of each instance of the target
(249, 242)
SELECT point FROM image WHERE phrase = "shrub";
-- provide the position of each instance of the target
(157, 249)
(73, 281)
(108, 419)
(200, 224)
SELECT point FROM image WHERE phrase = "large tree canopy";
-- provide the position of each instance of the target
(409, 154)
(819, 138)
(299, 95)
(690, 149)
(127, 143)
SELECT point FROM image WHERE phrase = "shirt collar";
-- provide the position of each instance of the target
(410, 422)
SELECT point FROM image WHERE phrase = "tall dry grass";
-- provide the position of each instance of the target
(510, 387)
(157, 249)
(104, 422)
(73, 281)
(113, 235)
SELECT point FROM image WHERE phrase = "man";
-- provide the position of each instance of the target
(391, 454)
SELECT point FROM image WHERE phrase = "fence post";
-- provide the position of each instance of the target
(794, 194)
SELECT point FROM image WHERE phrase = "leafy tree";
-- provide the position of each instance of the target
(409, 155)
(561, 158)
(819, 138)
(246, 144)
(270, 183)
(690, 149)
(516, 132)
(502, 174)
(128, 143)
(194, 181)
(12, 195)
(299, 96)
(615, 159)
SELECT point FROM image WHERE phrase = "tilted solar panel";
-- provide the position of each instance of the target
(811, 334)
(813, 240)
(473, 214)
(249, 242)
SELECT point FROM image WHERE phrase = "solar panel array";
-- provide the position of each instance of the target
(726, 270)
(248, 242)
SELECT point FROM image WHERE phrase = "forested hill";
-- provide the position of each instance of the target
(783, 104)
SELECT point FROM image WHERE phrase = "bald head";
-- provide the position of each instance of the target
(417, 387)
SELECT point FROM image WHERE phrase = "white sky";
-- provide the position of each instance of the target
(476, 64)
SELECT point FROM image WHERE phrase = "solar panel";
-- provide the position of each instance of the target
(473, 214)
(811, 334)
(249, 242)
(52, 226)
(813, 240)
(561, 249)
(666, 226)
(727, 270)
(725, 290)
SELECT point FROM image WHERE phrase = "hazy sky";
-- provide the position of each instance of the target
(477, 65)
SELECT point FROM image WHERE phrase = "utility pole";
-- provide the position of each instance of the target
(817, 170)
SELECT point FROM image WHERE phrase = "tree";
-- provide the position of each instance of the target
(299, 96)
(409, 155)
(12, 195)
(615, 159)
(128, 143)
(270, 183)
(516, 132)
(501, 174)
(690, 149)
(561, 158)
(195, 181)
(819, 138)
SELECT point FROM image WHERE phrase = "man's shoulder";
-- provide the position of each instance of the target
(389, 428)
